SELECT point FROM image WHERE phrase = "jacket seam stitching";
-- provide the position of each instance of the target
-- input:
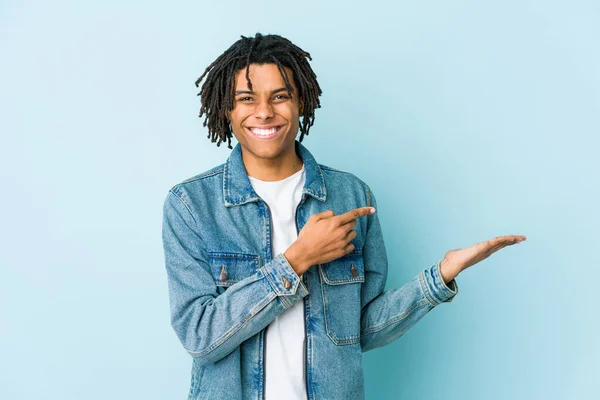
(202, 176)
(235, 328)
(185, 204)
(425, 287)
(377, 328)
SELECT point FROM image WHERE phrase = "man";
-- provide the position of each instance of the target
(276, 264)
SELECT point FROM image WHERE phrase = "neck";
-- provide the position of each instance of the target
(274, 169)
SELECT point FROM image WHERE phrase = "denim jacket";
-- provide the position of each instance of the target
(225, 285)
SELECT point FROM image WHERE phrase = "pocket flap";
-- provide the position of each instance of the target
(347, 269)
(229, 268)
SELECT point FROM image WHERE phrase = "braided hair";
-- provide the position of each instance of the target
(218, 90)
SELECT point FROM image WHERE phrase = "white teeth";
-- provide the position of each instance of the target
(263, 132)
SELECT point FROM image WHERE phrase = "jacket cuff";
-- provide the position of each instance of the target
(285, 282)
(434, 287)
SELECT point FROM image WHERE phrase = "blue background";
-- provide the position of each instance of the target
(469, 120)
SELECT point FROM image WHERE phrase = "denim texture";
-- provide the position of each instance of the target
(225, 285)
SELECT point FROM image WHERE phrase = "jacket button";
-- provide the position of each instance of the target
(353, 271)
(286, 284)
(223, 277)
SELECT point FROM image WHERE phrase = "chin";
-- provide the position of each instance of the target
(270, 148)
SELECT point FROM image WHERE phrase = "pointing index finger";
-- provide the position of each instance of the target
(355, 213)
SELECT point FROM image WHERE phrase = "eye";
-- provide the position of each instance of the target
(244, 98)
(281, 97)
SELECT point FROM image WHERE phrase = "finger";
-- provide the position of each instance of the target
(514, 239)
(507, 240)
(350, 235)
(324, 214)
(349, 248)
(501, 245)
(489, 246)
(335, 254)
(349, 225)
(495, 248)
(352, 214)
(493, 245)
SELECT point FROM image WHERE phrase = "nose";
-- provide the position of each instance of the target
(263, 110)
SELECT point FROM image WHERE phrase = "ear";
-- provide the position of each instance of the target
(301, 105)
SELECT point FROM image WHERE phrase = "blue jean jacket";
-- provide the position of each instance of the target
(226, 286)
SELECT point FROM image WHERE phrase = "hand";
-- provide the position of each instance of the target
(325, 237)
(457, 260)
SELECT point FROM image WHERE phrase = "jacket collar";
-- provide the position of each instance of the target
(238, 190)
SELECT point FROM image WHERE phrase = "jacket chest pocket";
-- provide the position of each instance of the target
(341, 282)
(229, 268)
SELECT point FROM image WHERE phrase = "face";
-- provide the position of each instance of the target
(265, 120)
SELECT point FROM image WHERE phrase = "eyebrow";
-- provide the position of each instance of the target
(252, 92)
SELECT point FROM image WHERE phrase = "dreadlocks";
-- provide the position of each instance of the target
(218, 91)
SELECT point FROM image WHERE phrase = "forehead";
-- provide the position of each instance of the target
(263, 77)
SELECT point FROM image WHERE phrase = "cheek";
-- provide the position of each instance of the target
(291, 113)
(237, 116)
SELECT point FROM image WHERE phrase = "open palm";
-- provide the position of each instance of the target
(458, 260)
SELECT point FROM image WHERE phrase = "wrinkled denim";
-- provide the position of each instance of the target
(225, 285)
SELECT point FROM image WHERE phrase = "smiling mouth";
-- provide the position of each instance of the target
(265, 133)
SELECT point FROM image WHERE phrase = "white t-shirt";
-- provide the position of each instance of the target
(285, 336)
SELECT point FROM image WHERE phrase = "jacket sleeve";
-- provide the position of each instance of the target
(387, 315)
(211, 325)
